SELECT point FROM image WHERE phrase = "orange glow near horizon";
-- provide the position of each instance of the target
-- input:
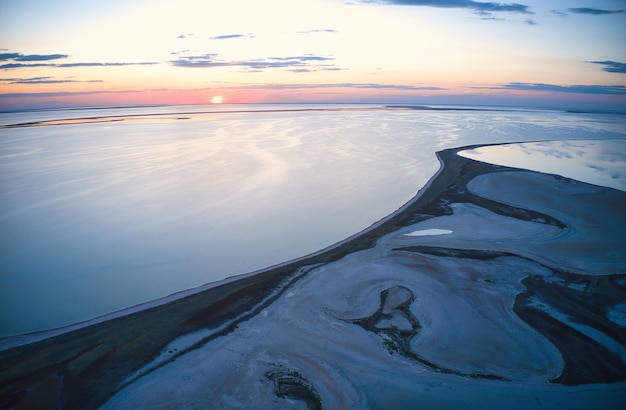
(327, 52)
(55, 98)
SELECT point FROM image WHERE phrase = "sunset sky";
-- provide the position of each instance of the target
(548, 53)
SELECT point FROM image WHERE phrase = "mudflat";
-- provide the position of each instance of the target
(494, 287)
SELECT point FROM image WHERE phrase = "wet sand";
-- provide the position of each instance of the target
(518, 306)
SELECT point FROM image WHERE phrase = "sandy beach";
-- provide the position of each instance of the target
(494, 287)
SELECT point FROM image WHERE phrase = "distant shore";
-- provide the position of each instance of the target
(82, 365)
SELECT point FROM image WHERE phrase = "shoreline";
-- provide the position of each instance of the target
(175, 116)
(90, 361)
(10, 342)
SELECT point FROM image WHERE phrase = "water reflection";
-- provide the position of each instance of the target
(598, 162)
(99, 216)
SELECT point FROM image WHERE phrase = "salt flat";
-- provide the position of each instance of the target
(459, 333)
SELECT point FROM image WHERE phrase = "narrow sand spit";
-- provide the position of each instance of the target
(493, 288)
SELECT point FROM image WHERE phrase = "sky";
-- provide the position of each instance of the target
(539, 53)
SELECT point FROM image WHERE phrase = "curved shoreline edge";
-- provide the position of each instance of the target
(10, 342)
(87, 361)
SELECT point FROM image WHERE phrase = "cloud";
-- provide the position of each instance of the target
(19, 60)
(593, 11)
(21, 65)
(577, 89)
(31, 57)
(226, 36)
(464, 4)
(326, 30)
(308, 57)
(611, 66)
(232, 36)
(398, 87)
(69, 65)
(60, 94)
(204, 60)
(559, 13)
(220, 37)
(40, 57)
(489, 16)
(11, 80)
(43, 80)
(8, 56)
(389, 87)
(302, 63)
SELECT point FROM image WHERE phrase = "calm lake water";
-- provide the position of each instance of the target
(99, 216)
(599, 162)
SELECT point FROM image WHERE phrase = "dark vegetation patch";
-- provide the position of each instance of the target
(479, 254)
(397, 325)
(292, 385)
(585, 360)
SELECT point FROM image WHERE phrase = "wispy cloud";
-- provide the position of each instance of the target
(203, 60)
(611, 66)
(232, 36)
(325, 30)
(577, 89)
(18, 60)
(559, 13)
(10, 66)
(303, 63)
(61, 94)
(397, 87)
(389, 87)
(101, 64)
(43, 80)
(219, 37)
(70, 65)
(40, 57)
(464, 4)
(593, 11)
(31, 57)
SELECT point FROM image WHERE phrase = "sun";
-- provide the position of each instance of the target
(217, 99)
